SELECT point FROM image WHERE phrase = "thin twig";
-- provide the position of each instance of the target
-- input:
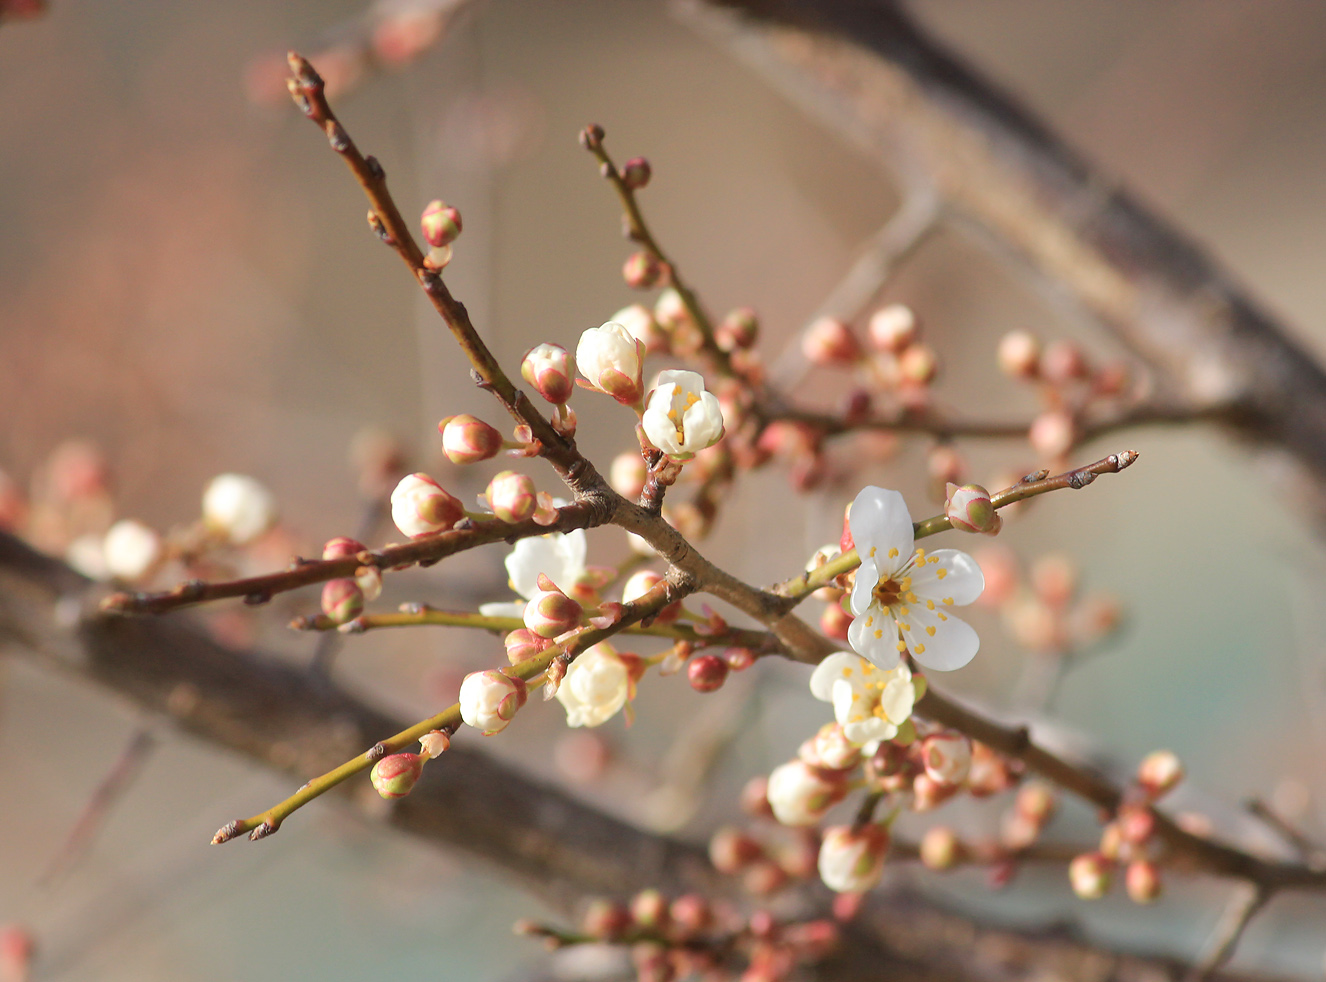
(1248, 899)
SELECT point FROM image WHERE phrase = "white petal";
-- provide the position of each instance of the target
(515, 608)
(962, 581)
(877, 641)
(703, 423)
(561, 557)
(870, 730)
(829, 671)
(656, 422)
(879, 520)
(848, 706)
(897, 698)
(953, 644)
(684, 380)
(867, 578)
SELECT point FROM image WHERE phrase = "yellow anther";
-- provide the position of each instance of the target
(902, 645)
(920, 649)
(893, 553)
(949, 601)
(879, 634)
(929, 605)
(933, 559)
(912, 598)
(943, 617)
(847, 673)
(905, 627)
(870, 621)
(930, 630)
(856, 696)
(903, 611)
(941, 572)
(867, 668)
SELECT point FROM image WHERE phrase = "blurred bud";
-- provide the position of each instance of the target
(591, 137)
(851, 858)
(829, 748)
(639, 584)
(628, 475)
(1019, 354)
(893, 328)
(467, 439)
(918, 364)
(1054, 579)
(441, 224)
(78, 469)
(342, 547)
(523, 643)
(828, 341)
(1017, 831)
(738, 659)
(649, 911)
(969, 509)
(1137, 823)
(670, 311)
(1159, 772)
(691, 914)
(764, 877)
(999, 566)
(707, 673)
(731, 850)
(609, 358)
(238, 507)
(1052, 434)
(1062, 361)
(1142, 881)
(989, 773)
(548, 368)
(737, 331)
(342, 600)
(401, 36)
(800, 794)
(434, 743)
(605, 920)
(642, 270)
(1036, 801)
(512, 496)
(636, 173)
(946, 757)
(1090, 874)
(1111, 380)
(131, 549)
(550, 612)
(1112, 845)
(929, 793)
(835, 621)
(755, 797)
(420, 506)
(941, 849)
(639, 322)
(945, 464)
(489, 700)
(395, 776)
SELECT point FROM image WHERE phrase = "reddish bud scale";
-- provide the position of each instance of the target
(395, 776)
(342, 547)
(636, 173)
(707, 673)
(441, 224)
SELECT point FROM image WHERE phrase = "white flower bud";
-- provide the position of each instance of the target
(947, 757)
(609, 358)
(800, 794)
(131, 549)
(893, 328)
(682, 418)
(238, 507)
(489, 700)
(419, 505)
(851, 859)
(597, 685)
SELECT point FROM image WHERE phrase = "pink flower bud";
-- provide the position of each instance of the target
(941, 849)
(738, 659)
(420, 506)
(1112, 845)
(946, 757)
(468, 440)
(830, 749)
(512, 496)
(929, 793)
(800, 794)
(609, 358)
(649, 911)
(732, 851)
(1137, 823)
(1090, 875)
(835, 621)
(852, 859)
(548, 368)
(1018, 832)
(969, 509)
(1159, 773)
(737, 331)
(1019, 354)
(1062, 361)
(342, 600)
(828, 341)
(918, 364)
(1142, 881)
(636, 173)
(395, 776)
(893, 328)
(550, 612)
(1036, 801)
(999, 566)
(605, 920)
(763, 878)
(642, 270)
(691, 914)
(523, 643)
(1052, 434)
(441, 224)
(707, 673)
(489, 700)
(342, 547)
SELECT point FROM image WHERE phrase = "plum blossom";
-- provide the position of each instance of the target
(558, 555)
(681, 417)
(869, 703)
(901, 593)
(596, 686)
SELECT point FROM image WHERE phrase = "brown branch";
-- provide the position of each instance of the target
(1238, 914)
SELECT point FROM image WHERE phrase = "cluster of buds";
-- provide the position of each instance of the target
(343, 599)
(395, 775)
(894, 360)
(1068, 386)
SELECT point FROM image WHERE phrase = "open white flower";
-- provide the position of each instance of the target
(558, 555)
(869, 703)
(596, 687)
(682, 418)
(902, 594)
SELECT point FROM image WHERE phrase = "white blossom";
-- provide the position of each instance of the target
(558, 555)
(238, 507)
(869, 703)
(852, 859)
(682, 417)
(609, 358)
(131, 549)
(596, 686)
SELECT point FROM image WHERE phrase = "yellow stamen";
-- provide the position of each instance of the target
(920, 649)
(930, 630)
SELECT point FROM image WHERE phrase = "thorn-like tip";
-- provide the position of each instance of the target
(1126, 458)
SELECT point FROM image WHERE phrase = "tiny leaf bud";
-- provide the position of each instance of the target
(434, 743)
(441, 224)
(395, 776)
(548, 368)
(467, 439)
(420, 506)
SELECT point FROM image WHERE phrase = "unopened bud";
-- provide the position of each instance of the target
(1137, 823)
(489, 700)
(918, 364)
(731, 850)
(945, 464)
(946, 757)
(642, 270)
(628, 475)
(829, 748)
(852, 859)
(828, 341)
(970, 510)
(512, 496)
(738, 330)
(238, 507)
(441, 224)
(636, 173)
(1090, 875)
(649, 910)
(763, 878)
(605, 920)
(1052, 434)
(640, 323)
(523, 643)
(395, 776)
(928, 793)
(1019, 354)
(1036, 801)
(1159, 773)
(467, 439)
(419, 506)
(835, 621)
(1054, 579)
(755, 797)
(800, 794)
(989, 773)
(550, 612)
(342, 600)
(342, 547)
(1062, 361)
(548, 368)
(131, 549)
(691, 914)
(738, 659)
(1142, 881)
(940, 849)
(707, 673)
(893, 328)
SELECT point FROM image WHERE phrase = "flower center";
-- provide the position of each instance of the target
(888, 592)
(678, 410)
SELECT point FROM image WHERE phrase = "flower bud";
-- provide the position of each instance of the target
(1019, 354)
(989, 773)
(691, 914)
(764, 877)
(395, 776)
(946, 757)
(628, 475)
(342, 600)
(835, 621)
(1062, 361)
(1054, 579)
(649, 911)
(945, 464)
(829, 748)
(420, 506)
(707, 673)
(1036, 802)
(342, 547)
(597, 684)
(489, 700)
(828, 341)
(731, 850)
(682, 417)
(131, 549)
(605, 920)
(468, 440)
(893, 328)
(754, 797)
(609, 358)
(636, 173)
(1142, 881)
(642, 270)
(940, 849)
(1090, 875)
(800, 856)
(737, 331)
(548, 368)
(1018, 832)
(800, 794)
(512, 496)
(1159, 773)
(918, 364)
(1137, 823)
(1052, 434)
(639, 584)
(550, 612)
(434, 743)
(640, 324)
(238, 507)
(929, 793)
(852, 859)
(441, 224)
(969, 509)
(738, 659)
(1112, 846)
(523, 643)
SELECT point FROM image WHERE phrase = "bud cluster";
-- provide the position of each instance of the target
(892, 360)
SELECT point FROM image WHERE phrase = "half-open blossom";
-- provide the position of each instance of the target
(609, 358)
(869, 703)
(558, 555)
(596, 686)
(852, 859)
(489, 700)
(682, 417)
(902, 594)
(238, 507)
(420, 505)
(551, 612)
(800, 794)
